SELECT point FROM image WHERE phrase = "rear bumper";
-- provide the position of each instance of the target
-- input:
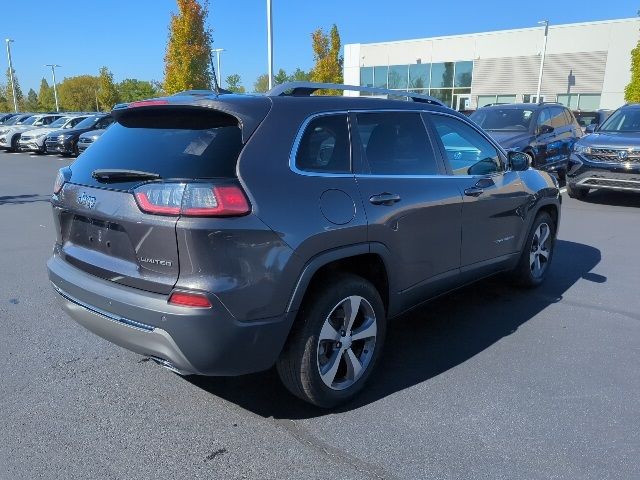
(188, 340)
(596, 175)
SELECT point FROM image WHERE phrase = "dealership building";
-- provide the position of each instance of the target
(586, 66)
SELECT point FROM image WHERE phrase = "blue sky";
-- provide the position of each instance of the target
(129, 36)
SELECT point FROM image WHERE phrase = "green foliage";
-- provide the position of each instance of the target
(234, 83)
(188, 55)
(31, 104)
(280, 77)
(7, 94)
(78, 93)
(107, 92)
(261, 84)
(131, 90)
(632, 91)
(300, 76)
(46, 98)
(328, 61)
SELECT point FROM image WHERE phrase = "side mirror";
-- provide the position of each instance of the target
(544, 129)
(519, 161)
(590, 128)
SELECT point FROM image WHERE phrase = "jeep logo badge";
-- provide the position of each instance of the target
(86, 200)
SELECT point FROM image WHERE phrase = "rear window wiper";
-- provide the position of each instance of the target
(112, 174)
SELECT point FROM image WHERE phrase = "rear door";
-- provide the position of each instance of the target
(103, 231)
(411, 207)
(493, 196)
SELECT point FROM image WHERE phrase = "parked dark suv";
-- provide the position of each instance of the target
(609, 158)
(221, 234)
(65, 142)
(546, 131)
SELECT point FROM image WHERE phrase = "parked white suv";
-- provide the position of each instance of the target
(9, 136)
(33, 140)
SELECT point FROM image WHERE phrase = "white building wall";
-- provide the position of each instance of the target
(597, 54)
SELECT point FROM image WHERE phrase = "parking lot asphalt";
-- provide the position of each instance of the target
(489, 382)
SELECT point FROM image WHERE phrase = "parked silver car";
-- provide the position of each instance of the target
(87, 139)
(33, 140)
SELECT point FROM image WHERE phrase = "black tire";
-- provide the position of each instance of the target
(576, 192)
(300, 361)
(14, 143)
(526, 273)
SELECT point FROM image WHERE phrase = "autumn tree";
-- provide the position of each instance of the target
(79, 93)
(46, 97)
(234, 83)
(328, 61)
(632, 91)
(188, 55)
(131, 90)
(261, 84)
(107, 91)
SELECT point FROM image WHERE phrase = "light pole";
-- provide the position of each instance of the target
(13, 84)
(55, 90)
(269, 45)
(544, 53)
(219, 75)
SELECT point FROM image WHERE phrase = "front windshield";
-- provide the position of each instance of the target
(29, 121)
(624, 120)
(506, 119)
(59, 122)
(73, 122)
(88, 122)
(13, 120)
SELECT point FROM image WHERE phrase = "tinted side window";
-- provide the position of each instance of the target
(104, 123)
(544, 117)
(558, 119)
(468, 152)
(396, 143)
(324, 146)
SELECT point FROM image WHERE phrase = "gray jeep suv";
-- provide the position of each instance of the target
(222, 234)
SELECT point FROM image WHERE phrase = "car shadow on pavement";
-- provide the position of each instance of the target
(617, 199)
(19, 199)
(428, 341)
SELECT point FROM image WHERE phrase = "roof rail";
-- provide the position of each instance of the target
(306, 89)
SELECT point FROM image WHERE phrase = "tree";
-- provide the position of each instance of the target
(79, 93)
(107, 91)
(31, 104)
(9, 91)
(300, 76)
(188, 55)
(280, 77)
(328, 61)
(233, 83)
(131, 90)
(46, 98)
(261, 84)
(632, 91)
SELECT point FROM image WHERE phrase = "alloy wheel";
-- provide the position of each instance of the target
(540, 250)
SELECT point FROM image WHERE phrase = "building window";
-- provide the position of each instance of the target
(442, 75)
(419, 75)
(527, 98)
(366, 76)
(463, 74)
(398, 77)
(580, 101)
(380, 77)
(489, 99)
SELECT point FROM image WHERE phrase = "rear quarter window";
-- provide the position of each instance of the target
(189, 144)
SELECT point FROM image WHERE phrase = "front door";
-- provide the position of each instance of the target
(411, 207)
(493, 196)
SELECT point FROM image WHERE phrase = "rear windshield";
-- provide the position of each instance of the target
(187, 144)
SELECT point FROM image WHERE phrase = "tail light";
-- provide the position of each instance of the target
(186, 299)
(192, 199)
(61, 179)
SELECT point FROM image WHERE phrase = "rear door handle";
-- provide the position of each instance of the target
(384, 199)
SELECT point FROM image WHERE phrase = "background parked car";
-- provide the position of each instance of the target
(546, 131)
(87, 139)
(590, 119)
(65, 142)
(34, 140)
(6, 116)
(609, 158)
(10, 136)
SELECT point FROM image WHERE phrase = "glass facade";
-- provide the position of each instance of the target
(580, 101)
(444, 81)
